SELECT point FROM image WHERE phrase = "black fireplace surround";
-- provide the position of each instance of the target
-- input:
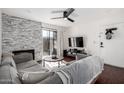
(24, 55)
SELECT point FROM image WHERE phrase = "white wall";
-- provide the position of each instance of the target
(113, 49)
(0, 36)
(91, 32)
(85, 30)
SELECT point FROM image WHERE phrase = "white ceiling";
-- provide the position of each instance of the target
(80, 15)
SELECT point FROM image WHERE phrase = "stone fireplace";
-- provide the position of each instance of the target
(21, 34)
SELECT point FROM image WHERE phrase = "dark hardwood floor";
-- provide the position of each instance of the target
(68, 58)
(110, 75)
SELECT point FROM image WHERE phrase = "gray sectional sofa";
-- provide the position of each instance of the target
(23, 70)
(10, 70)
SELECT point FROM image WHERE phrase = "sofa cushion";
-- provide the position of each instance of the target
(25, 65)
(33, 77)
(34, 68)
(22, 57)
(53, 78)
(8, 75)
(5, 77)
(8, 59)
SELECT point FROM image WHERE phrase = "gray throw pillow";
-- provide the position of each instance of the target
(32, 77)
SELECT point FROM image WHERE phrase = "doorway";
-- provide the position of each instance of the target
(49, 41)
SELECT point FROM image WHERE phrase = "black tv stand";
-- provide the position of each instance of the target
(75, 53)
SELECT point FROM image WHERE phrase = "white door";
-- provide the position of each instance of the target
(113, 49)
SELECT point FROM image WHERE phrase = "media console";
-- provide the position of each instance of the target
(75, 53)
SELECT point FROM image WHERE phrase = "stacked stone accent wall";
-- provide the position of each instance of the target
(21, 34)
(0, 36)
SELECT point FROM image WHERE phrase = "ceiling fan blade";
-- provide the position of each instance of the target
(59, 11)
(57, 18)
(69, 11)
(74, 15)
(70, 19)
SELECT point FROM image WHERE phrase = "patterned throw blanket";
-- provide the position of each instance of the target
(83, 71)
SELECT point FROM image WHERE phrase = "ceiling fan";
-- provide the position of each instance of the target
(66, 14)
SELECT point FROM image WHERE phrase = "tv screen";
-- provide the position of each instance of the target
(79, 42)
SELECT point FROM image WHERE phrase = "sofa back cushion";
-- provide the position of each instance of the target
(8, 75)
(22, 57)
(5, 77)
(24, 65)
(8, 59)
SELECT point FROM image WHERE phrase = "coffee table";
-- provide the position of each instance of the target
(49, 59)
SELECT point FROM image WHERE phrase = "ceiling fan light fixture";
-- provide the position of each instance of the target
(66, 15)
(65, 18)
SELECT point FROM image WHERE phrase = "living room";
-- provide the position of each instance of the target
(79, 33)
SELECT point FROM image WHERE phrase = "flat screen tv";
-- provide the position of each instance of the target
(76, 42)
(79, 42)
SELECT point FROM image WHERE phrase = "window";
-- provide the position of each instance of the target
(49, 41)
